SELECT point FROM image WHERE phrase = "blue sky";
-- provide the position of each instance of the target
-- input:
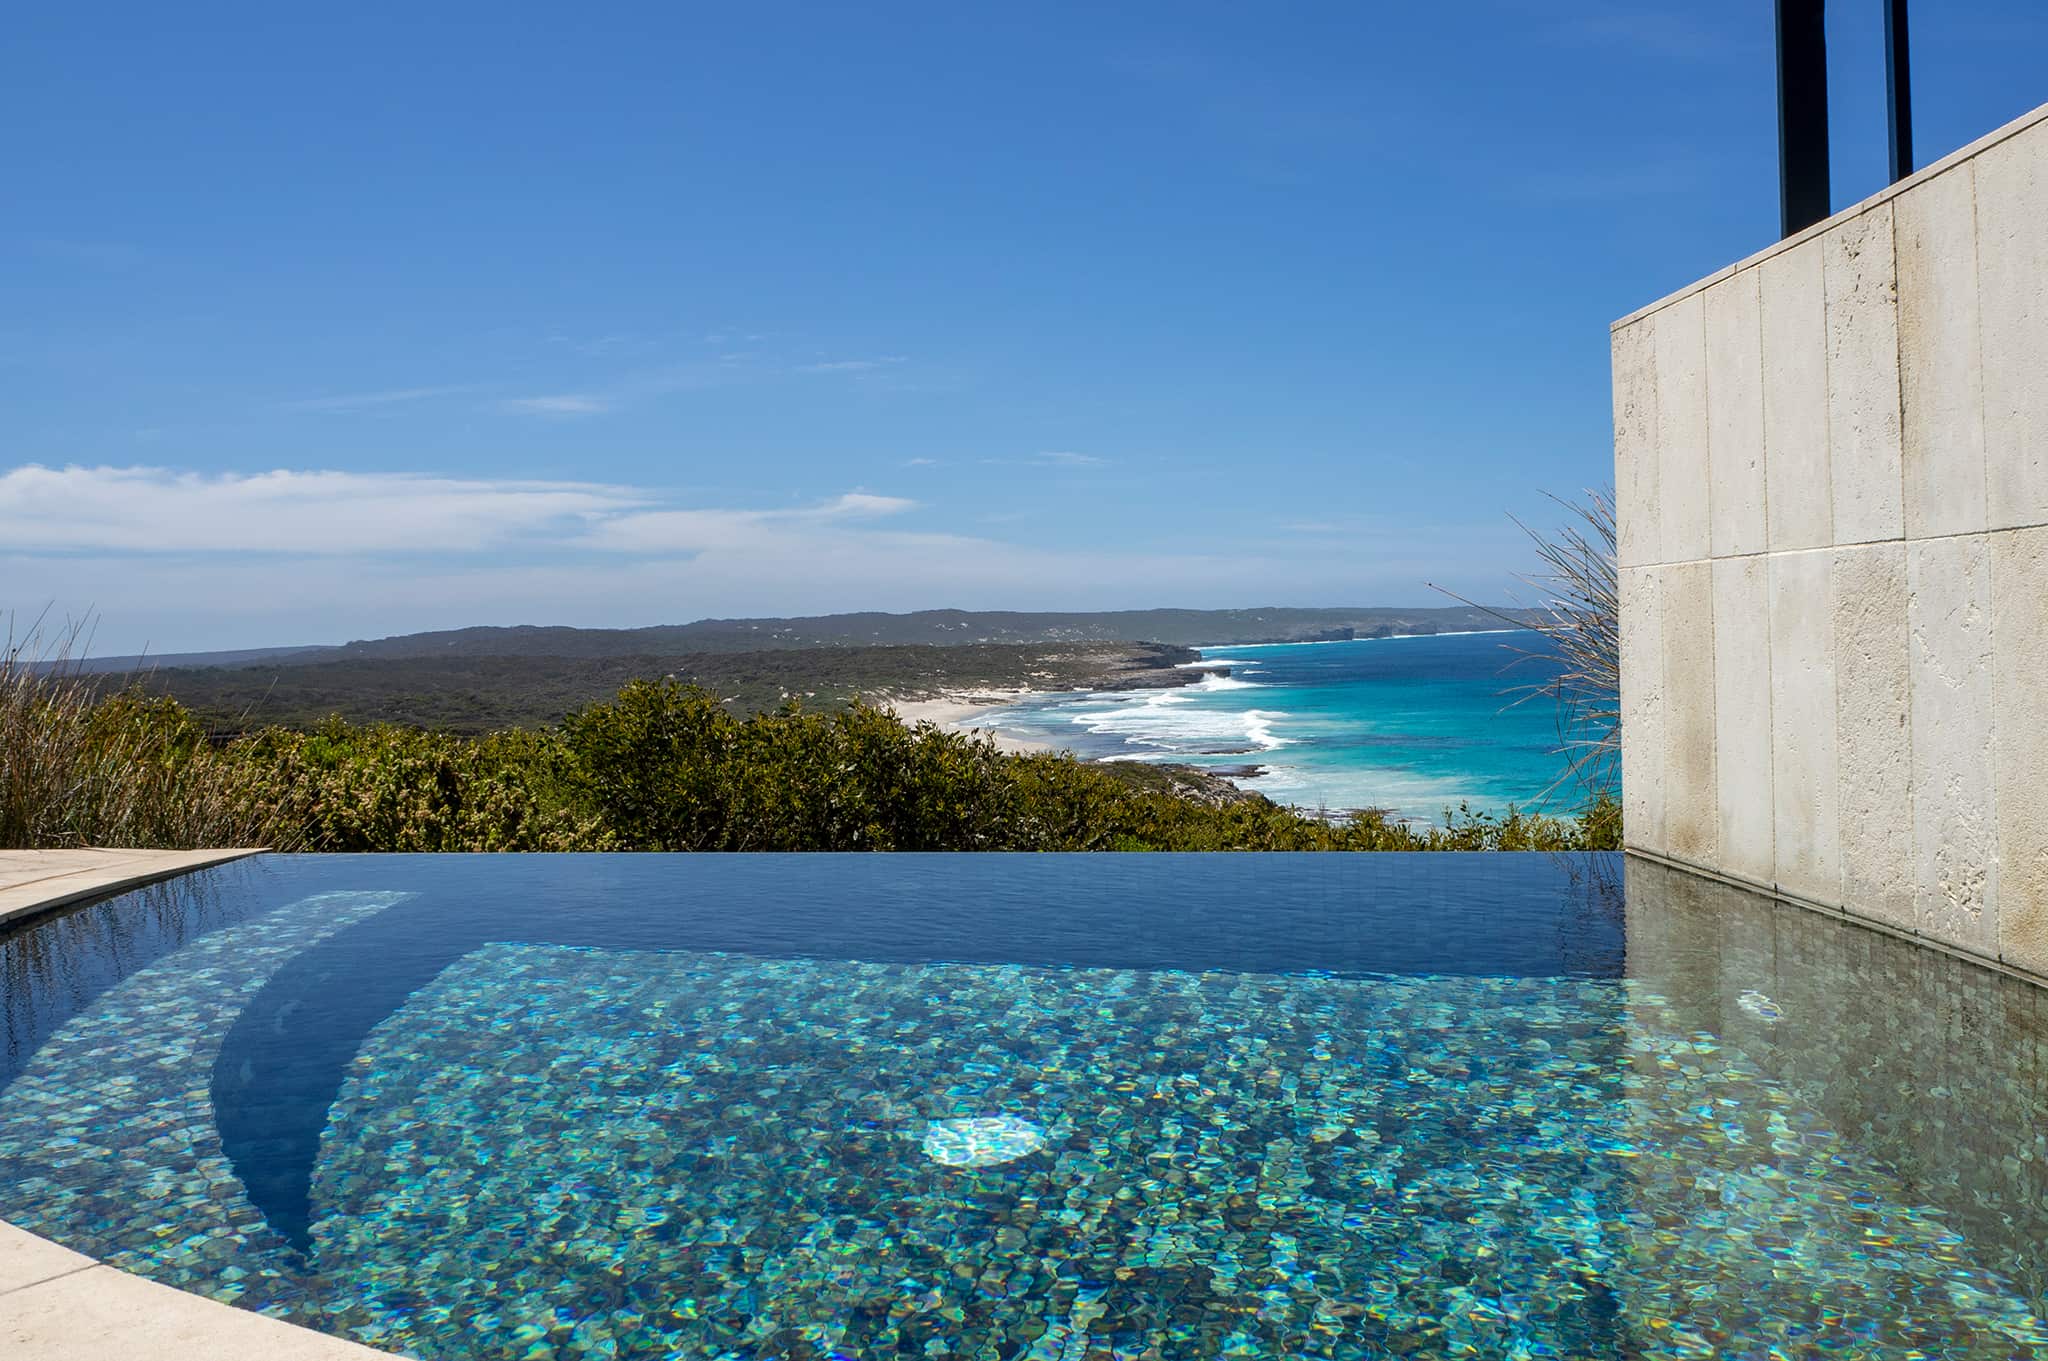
(340, 323)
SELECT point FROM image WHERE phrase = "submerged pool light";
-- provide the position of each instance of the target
(981, 1140)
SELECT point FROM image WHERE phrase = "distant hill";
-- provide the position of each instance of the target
(156, 661)
(1267, 624)
(465, 694)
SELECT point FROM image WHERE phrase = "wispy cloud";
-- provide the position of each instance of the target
(921, 462)
(155, 511)
(642, 385)
(146, 510)
(1051, 458)
(363, 401)
(671, 532)
(585, 394)
(564, 404)
(853, 365)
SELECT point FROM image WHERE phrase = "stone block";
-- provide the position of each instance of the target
(1799, 512)
(1940, 368)
(1874, 751)
(1638, 520)
(1683, 480)
(1735, 415)
(100, 1314)
(1949, 614)
(1642, 709)
(2019, 765)
(1691, 788)
(2012, 291)
(1805, 775)
(26, 1259)
(1742, 717)
(1861, 272)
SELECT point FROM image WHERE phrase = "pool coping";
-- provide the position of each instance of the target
(60, 1305)
(35, 882)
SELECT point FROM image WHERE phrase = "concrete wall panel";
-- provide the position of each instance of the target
(2012, 273)
(1836, 457)
(1872, 731)
(2019, 708)
(1861, 272)
(1742, 717)
(1642, 708)
(1682, 475)
(1691, 787)
(1805, 775)
(1949, 613)
(1940, 365)
(1639, 536)
(1735, 415)
(1793, 317)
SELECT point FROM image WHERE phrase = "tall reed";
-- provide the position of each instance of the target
(80, 766)
(1577, 610)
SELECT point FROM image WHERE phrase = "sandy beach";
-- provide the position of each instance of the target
(955, 711)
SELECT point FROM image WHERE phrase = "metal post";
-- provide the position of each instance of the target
(1898, 88)
(1803, 194)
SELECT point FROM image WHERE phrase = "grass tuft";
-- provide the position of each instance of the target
(82, 768)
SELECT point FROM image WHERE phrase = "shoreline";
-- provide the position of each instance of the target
(954, 711)
(955, 708)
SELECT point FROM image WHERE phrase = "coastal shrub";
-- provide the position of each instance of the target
(386, 788)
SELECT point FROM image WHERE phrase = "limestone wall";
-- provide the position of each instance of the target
(1832, 472)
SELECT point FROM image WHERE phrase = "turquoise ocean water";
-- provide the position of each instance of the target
(1408, 724)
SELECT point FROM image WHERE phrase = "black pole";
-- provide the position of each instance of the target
(1803, 194)
(1898, 88)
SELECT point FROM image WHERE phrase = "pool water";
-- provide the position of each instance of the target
(1033, 1107)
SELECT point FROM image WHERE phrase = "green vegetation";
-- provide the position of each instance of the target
(663, 766)
(126, 770)
(464, 693)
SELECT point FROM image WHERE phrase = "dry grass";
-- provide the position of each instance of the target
(1577, 611)
(78, 768)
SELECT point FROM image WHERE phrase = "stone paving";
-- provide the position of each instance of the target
(32, 882)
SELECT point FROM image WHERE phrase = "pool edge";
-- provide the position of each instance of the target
(63, 877)
(1994, 963)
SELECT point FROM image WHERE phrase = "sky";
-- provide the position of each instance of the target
(321, 323)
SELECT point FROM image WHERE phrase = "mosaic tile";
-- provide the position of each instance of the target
(552, 1151)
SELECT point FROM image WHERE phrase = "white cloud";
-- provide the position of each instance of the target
(674, 532)
(156, 510)
(1051, 458)
(567, 404)
(852, 365)
(360, 401)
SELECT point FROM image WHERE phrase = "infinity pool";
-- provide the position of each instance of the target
(1032, 1107)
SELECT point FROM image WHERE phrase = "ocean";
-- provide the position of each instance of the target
(1412, 725)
